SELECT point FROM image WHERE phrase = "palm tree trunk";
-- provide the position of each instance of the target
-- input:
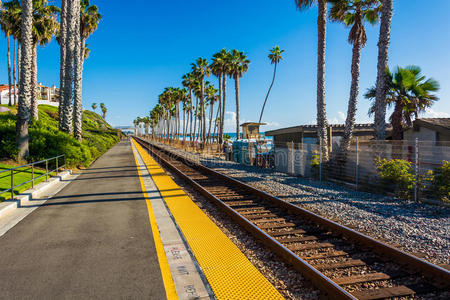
(62, 61)
(195, 120)
(211, 111)
(236, 87)
(219, 77)
(268, 92)
(222, 117)
(352, 102)
(14, 72)
(383, 49)
(217, 117)
(396, 120)
(23, 111)
(322, 123)
(69, 66)
(202, 90)
(34, 87)
(190, 114)
(184, 125)
(78, 77)
(19, 57)
(8, 54)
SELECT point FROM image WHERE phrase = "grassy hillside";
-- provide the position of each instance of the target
(47, 141)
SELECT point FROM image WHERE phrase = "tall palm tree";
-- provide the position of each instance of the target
(94, 106)
(275, 58)
(70, 39)
(23, 111)
(239, 65)
(202, 69)
(7, 22)
(12, 13)
(322, 123)
(409, 93)
(211, 95)
(353, 13)
(45, 26)
(218, 70)
(189, 83)
(62, 38)
(223, 59)
(383, 49)
(87, 23)
(104, 110)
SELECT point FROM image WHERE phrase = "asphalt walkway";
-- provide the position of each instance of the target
(91, 240)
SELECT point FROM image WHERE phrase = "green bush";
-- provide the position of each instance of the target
(440, 181)
(396, 176)
(315, 165)
(47, 141)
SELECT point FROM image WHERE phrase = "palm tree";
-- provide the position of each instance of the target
(62, 40)
(12, 16)
(7, 17)
(94, 106)
(220, 68)
(383, 48)
(202, 69)
(409, 93)
(135, 123)
(87, 23)
(104, 110)
(275, 58)
(211, 95)
(321, 32)
(189, 83)
(23, 111)
(354, 13)
(44, 27)
(239, 66)
(70, 39)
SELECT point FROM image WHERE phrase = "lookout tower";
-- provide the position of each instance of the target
(250, 130)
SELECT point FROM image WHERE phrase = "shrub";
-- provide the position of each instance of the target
(47, 141)
(315, 165)
(396, 176)
(440, 181)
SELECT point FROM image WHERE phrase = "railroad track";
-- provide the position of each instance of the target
(341, 262)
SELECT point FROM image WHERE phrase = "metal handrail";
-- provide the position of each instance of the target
(47, 172)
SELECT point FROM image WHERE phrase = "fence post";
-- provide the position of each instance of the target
(57, 169)
(46, 168)
(292, 158)
(320, 159)
(357, 163)
(12, 184)
(32, 176)
(416, 167)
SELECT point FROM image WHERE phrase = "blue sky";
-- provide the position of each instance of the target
(142, 48)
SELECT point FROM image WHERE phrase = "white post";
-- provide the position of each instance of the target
(292, 158)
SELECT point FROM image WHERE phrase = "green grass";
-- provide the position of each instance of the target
(20, 175)
(46, 140)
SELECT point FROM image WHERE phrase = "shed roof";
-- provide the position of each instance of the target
(252, 123)
(437, 124)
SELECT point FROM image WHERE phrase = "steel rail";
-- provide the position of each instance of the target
(433, 272)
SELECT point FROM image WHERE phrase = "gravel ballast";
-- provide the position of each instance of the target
(417, 228)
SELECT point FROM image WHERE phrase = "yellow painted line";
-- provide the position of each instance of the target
(230, 274)
(169, 285)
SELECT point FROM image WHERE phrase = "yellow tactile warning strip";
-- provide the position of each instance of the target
(230, 274)
(169, 285)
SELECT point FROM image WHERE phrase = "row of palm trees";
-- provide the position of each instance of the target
(165, 116)
(34, 22)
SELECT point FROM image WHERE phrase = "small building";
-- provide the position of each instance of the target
(307, 134)
(46, 95)
(429, 129)
(250, 130)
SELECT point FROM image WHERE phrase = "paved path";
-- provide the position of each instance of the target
(91, 240)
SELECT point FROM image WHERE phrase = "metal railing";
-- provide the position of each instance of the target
(32, 166)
